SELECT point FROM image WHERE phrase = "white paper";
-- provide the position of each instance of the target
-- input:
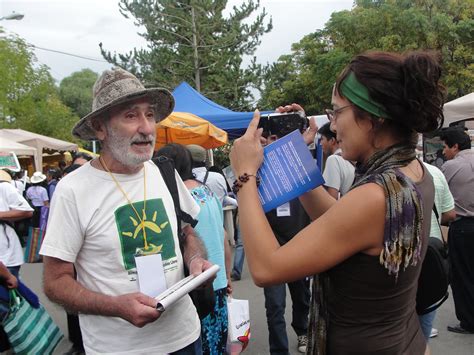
(151, 275)
(183, 287)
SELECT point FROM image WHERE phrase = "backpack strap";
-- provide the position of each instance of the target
(435, 210)
(205, 178)
(167, 170)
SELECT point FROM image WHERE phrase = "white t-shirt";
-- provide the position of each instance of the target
(338, 173)
(11, 253)
(443, 200)
(92, 225)
(19, 185)
(37, 195)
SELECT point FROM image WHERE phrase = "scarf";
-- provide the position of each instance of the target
(402, 232)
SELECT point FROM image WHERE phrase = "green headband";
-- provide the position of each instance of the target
(358, 94)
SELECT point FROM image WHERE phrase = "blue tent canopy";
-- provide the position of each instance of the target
(189, 100)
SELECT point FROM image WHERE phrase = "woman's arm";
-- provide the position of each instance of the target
(316, 202)
(354, 224)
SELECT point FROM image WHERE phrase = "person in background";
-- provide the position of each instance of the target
(338, 172)
(13, 207)
(286, 221)
(215, 181)
(211, 231)
(52, 177)
(444, 203)
(369, 244)
(7, 281)
(38, 195)
(81, 158)
(459, 173)
(62, 165)
(70, 169)
(19, 181)
(95, 227)
(239, 254)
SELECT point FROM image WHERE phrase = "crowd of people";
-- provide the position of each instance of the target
(361, 237)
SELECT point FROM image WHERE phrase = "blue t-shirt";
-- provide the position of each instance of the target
(210, 228)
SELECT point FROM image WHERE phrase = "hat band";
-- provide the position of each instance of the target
(358, 94)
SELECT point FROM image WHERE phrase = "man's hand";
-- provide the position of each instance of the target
(137, 308)
(11, 281)
(197, 266)
(229, 286)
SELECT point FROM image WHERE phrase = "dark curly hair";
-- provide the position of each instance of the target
(183, 161)
(408, 87)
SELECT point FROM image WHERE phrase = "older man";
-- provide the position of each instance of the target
(459, 172)
(109, 213)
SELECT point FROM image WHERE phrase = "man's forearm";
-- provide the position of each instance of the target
(66, 291)
(193, 246)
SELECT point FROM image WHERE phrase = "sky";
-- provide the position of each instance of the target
(78, 26)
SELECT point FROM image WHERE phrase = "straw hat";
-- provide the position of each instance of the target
(37, 177)
(115, 87)
(4, 176)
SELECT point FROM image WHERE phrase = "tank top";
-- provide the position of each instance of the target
(372, 312)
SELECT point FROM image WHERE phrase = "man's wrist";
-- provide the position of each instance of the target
(194, 257)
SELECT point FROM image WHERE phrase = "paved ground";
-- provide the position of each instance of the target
(445, 343)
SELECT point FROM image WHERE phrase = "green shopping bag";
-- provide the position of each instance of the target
(30, 330)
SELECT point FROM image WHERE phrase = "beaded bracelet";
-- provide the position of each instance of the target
(241, 180)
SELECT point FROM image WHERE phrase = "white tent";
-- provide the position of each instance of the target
(460, 109)
(37, 141)
(7, 146)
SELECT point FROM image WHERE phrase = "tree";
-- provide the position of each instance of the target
(191, 40)
(28, 96)
(446, 26)
(76, 91)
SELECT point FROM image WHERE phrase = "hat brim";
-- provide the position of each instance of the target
(161, 98)
(4, 176)
(37, 180)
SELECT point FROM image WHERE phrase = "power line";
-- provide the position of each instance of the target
(69, 54)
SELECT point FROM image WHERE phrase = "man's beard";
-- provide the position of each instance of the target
(120, 147)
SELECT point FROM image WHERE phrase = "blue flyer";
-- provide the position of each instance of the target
(288, 171)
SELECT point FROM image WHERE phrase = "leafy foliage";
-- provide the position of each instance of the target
(221, 155)
(28, 96)
(76, 91)
(192, 40)
(307, 75)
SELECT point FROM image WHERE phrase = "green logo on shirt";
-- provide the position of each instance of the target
(150, 233)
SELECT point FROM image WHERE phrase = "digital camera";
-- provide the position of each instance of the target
(280, 124)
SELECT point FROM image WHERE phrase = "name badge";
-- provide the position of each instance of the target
(151, 275)
(284, 210)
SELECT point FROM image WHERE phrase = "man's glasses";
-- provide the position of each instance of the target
(332, 114)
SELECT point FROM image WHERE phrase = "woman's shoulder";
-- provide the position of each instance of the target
(370, 192)
(191, 184)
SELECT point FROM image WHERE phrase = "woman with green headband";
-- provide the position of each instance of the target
(367, 247)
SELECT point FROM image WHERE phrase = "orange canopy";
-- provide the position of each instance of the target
(186, 128)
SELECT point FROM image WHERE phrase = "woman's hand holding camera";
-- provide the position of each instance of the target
(310, 133)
